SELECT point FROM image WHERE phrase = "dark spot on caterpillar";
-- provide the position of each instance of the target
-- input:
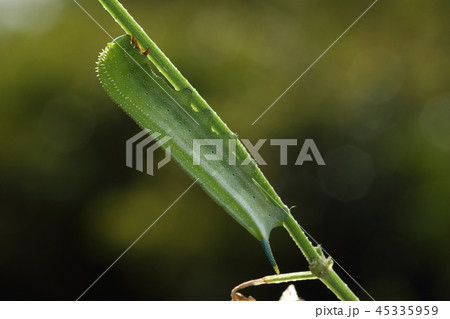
(253, 196)
(146, 93)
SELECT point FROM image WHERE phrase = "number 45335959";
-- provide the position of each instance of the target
(407, 310)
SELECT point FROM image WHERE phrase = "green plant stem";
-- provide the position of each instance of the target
(158, 58)
(292, 276)
(320, 266)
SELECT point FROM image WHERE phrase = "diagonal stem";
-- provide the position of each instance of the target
(319, 265)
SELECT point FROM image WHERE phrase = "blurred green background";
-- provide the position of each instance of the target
(377, 105)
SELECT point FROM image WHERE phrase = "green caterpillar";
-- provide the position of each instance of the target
(242, 190)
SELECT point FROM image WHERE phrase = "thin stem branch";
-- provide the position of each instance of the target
(274, 279)
(293, 276)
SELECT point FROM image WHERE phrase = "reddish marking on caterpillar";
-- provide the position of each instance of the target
(145, 52)
(134, 41)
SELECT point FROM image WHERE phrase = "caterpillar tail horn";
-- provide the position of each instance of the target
(268, 251)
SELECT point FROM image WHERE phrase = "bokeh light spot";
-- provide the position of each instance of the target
(435, 122)
(67, 123)
(28, 16)
(348, 174)
(376, 75)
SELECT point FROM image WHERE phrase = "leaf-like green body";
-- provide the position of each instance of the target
(242, 190)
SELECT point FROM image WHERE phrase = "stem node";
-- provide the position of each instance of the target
(320, 266)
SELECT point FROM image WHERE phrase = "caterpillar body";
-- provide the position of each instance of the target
(242, 190)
